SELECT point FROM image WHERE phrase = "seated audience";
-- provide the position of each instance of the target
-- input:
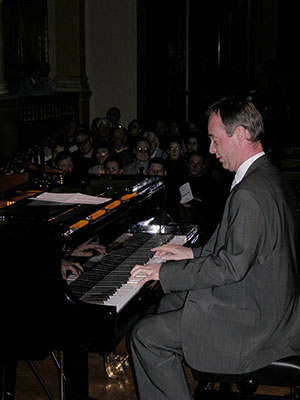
(141, 158)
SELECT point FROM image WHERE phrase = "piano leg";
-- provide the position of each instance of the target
(75, 361)
(8, 372)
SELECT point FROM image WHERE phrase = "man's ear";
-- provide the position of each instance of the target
(241, 133)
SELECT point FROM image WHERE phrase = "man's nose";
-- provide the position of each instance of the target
(212, 148)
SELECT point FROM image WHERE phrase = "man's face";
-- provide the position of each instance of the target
(142, 151)
(223, 146)
(66, 165)
(192, 144)
(195, 165)
(119, 138)
(156, 169)
(84, 143)
(112, 167)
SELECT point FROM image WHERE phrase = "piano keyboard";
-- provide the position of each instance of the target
(108, 283)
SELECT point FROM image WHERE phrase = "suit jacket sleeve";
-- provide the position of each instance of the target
(234, 247)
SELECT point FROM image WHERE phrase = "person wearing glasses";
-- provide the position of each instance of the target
(85, 157)
(141, 158)
(175, 165)
(113, 165)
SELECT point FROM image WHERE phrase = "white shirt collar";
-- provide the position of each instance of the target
(243, 168)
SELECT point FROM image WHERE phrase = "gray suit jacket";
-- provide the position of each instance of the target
(241, 308)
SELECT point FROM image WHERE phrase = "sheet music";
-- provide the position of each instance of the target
(186, 193)
(69, 198)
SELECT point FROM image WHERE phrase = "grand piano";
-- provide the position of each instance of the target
(41, 311)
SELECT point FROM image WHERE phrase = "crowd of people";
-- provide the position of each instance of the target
(176, 152)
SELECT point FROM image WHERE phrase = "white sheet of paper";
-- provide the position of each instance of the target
(70, 198)
(186, 193)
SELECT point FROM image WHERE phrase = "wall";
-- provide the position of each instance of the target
(111, 56)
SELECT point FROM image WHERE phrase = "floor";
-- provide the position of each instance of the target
(101, 387)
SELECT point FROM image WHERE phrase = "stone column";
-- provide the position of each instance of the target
(3, 84)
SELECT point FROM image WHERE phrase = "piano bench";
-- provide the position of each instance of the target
(281, 373)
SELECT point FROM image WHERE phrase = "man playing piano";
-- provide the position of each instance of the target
(231, 306)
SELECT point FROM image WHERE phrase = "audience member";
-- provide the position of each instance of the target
(85, 156)
(114, 116)
(64, 162)
(192, 127)
(113, 165)
(55, 149)
(175, 165)
(177, 173)
(103, 150)
(161, 129)
(157, 167)
(192, 143)
(156, 150)
(120, 146)
(94, 124)
(175, 130)
(135, 129)
(208, 198)
(142, 155)
(102, 128)
(69, 131)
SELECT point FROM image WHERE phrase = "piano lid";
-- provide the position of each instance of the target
(117, 189)
(78, 222)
